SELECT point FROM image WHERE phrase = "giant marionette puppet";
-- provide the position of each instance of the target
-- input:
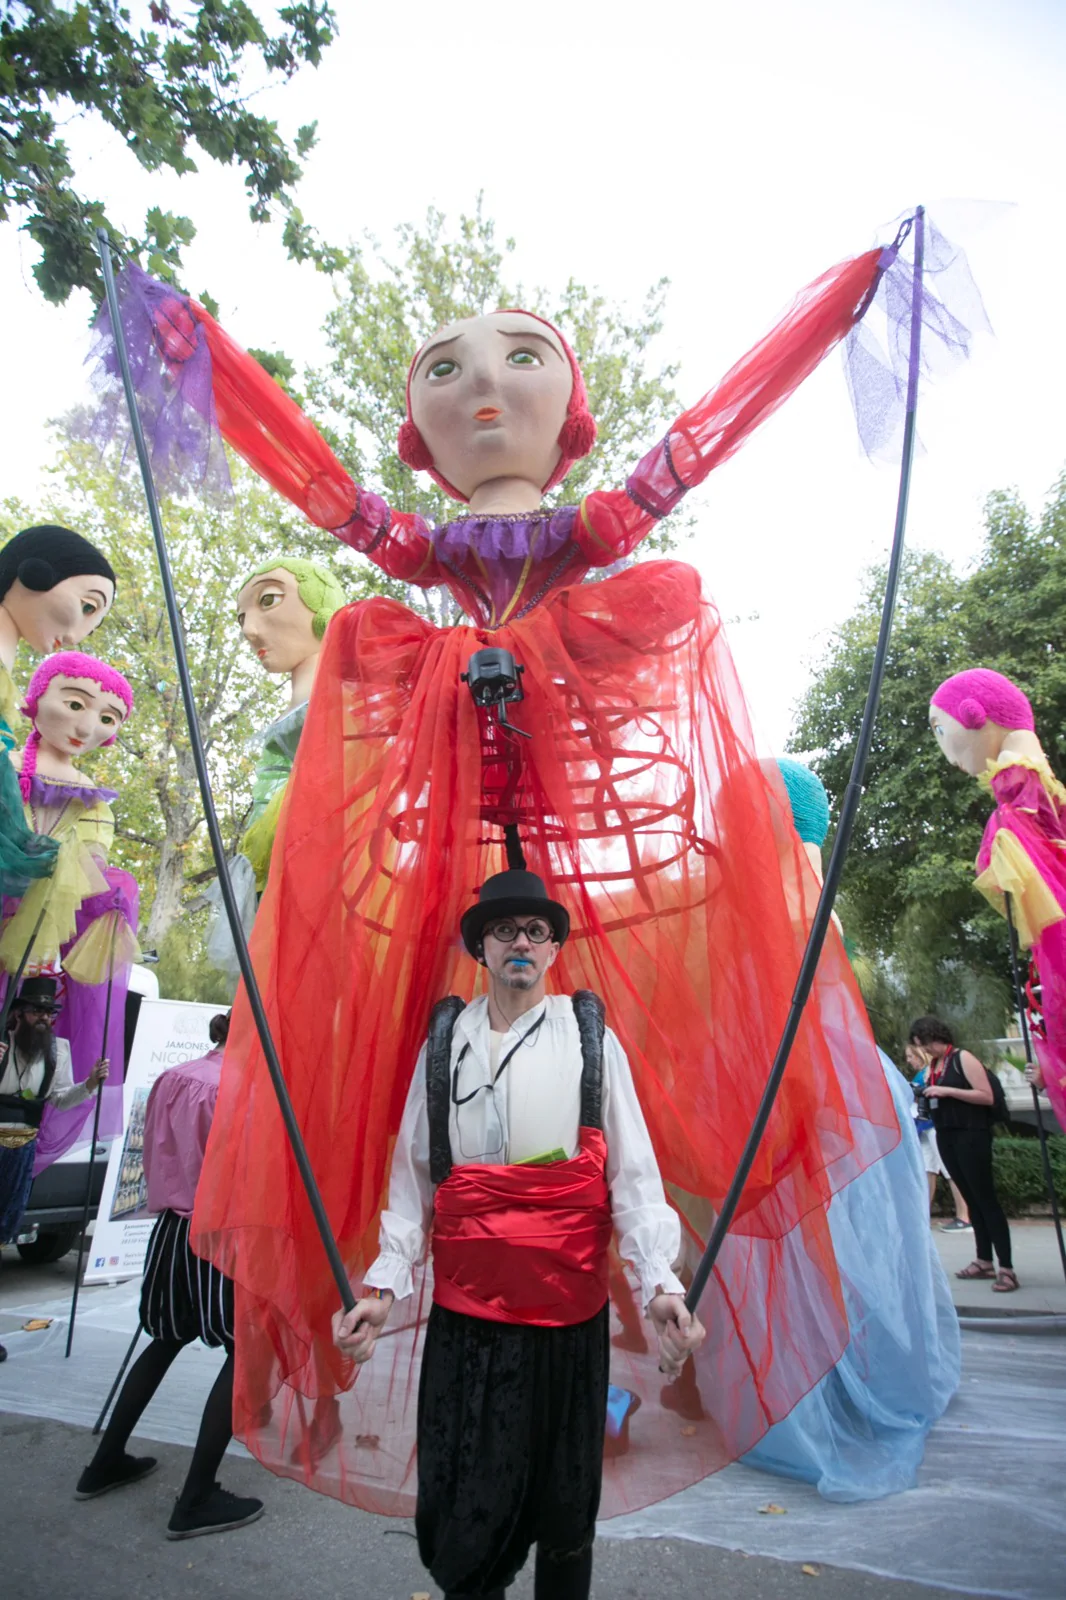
(55, 588)
(595, 729)
(860, 1433)
(81, 922)
(283, 608)
(984, 725)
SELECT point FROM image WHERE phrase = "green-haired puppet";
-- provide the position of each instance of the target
(283, 608)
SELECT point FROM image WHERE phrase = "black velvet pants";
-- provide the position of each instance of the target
(510, 1450)
(967, 1154)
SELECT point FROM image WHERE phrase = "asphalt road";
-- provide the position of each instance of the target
(307, 1547)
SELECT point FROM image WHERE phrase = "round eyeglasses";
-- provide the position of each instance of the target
(536, 930)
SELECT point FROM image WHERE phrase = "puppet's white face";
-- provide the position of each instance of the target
(75, 715)
(489, 396)
(969, 749)
(275, 621)
(62, 617)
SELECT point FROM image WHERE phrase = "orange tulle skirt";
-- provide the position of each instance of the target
(644, 804)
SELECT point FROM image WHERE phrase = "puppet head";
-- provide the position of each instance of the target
(971, 714)
(497, 396)
(283, 608)
(77, 704)
(55, 586)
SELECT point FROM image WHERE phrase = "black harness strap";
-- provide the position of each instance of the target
(591, 1024)
(438, 1083)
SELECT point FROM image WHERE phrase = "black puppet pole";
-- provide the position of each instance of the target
(852, 795)
(251, 985)
(1019, 1000)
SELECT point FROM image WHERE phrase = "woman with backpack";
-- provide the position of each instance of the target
(962, 1099)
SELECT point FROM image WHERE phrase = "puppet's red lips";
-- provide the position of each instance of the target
(487, 414)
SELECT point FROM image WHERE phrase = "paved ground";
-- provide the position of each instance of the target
(308, 1546)
(311, 1548)
(1036, 1261)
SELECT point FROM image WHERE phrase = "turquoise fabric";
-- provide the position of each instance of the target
(808, 799)
(24, 855)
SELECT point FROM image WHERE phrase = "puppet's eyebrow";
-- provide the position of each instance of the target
(527, 333)
(441, 344)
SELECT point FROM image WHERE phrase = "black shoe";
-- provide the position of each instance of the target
(216, 1512)
(107, 1475)
(3, 1352)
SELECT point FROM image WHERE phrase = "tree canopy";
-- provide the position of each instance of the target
(168, 91)
(927, 940)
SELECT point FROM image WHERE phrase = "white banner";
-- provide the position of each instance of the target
(168, 1032)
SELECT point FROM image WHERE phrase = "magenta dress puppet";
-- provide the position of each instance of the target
(79, 925)
(1023, 854)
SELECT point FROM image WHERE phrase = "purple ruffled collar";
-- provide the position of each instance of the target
(505, 537)
(53, 792)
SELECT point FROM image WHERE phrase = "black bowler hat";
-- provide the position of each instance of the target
(512, 894)
(37, 992)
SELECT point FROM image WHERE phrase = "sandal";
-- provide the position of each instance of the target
(1006, 1281)
(976, 1270)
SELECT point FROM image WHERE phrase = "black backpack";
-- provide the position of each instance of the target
(998, 1109)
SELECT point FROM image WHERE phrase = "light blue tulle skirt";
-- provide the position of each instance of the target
(860, 1433)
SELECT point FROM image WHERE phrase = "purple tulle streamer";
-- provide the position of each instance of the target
(172, 384)
(877, 350)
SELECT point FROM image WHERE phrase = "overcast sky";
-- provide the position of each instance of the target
(737, 150)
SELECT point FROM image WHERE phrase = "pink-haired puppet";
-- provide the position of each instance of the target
(80, 922)
(984, 725)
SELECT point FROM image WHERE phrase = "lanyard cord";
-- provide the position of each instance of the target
(21, 1072)
(529, 1034)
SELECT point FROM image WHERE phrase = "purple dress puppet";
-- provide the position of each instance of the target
(78, 925)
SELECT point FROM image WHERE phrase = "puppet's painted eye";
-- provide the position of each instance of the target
(443, 368)
(524, 358)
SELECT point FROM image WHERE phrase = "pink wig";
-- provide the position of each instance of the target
(576, 439)
(66, 664)
(981, 695)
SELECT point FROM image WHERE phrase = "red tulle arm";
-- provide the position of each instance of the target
(265, 426)
(614, 521)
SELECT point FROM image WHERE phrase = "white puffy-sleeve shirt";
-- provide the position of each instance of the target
(64, 1094)
(533, 1110)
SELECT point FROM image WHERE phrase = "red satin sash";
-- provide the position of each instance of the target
(525, 1244)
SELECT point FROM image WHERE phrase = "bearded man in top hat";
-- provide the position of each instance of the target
(522, 1149)
(35, 1071)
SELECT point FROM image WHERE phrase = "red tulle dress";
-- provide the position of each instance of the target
(640, 798)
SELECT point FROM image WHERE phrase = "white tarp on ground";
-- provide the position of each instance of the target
(988, 1516)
